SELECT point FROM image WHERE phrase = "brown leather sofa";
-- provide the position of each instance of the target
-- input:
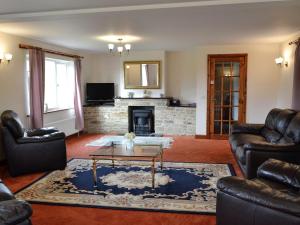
(273, 198)
(278, 138)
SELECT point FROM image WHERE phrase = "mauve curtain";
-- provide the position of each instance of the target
(79, 122)
(37, 87)
(296, 85)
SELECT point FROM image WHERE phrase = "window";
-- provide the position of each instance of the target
(59, 84)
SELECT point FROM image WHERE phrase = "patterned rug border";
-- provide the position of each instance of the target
(230, 166)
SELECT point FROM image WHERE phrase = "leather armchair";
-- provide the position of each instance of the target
(273, 198)
(13, 211)
(279, 138)
(33, 150)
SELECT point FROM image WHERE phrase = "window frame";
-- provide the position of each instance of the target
(57, 61)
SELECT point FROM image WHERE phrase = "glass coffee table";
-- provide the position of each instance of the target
(119, 152)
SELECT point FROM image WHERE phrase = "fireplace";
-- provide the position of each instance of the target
(141, 120)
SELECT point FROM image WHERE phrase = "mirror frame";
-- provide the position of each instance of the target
(142, 62)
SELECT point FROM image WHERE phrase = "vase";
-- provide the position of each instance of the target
(129, 144)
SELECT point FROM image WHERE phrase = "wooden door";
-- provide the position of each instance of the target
(227, 80)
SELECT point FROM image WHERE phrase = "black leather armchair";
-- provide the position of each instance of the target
(31, 151)
(273, 198)
(279, 138)
(13, 211)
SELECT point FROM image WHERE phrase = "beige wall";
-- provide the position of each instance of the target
(181, 82)
(285, 90)
(12, 82)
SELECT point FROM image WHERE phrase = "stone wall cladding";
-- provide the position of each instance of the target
(114, 119)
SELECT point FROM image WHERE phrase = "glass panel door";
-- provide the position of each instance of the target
(227, 94)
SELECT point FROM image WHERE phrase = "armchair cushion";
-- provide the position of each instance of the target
(281, 172)
(41, 131)
(287, 200)
(40, 139)
(14, 212)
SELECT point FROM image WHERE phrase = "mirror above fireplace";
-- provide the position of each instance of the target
(142, 74)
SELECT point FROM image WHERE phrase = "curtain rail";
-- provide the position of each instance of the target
(295, 42)
(24, 46)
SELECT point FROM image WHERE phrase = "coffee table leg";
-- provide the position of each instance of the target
(95, 172)
(161, 160)
(153, 173)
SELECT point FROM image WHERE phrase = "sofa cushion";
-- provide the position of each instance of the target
(241, 139)
(283, 120)
(282, 172)
(293, 130)
(271, 118)
(287, 200)
(271, 136)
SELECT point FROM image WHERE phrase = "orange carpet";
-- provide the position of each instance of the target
(184, 149)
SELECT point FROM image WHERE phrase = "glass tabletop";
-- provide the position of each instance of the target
(122, 151)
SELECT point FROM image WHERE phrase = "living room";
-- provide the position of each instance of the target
(94, 137)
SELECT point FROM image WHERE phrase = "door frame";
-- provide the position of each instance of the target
(227, 56)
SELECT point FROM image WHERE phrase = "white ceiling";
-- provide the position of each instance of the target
(160, 24)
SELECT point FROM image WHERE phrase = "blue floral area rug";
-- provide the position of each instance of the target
(179, 187)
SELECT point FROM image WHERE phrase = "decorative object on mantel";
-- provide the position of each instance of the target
(120, 48)
(129, 140)
(130, 94)
(179, 187)
(147, 94)
(166, 142)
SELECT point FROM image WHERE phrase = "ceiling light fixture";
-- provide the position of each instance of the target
(120, 47)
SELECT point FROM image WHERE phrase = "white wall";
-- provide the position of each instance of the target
(285, 91)
(12, 82)
(263, 77)
(181, 82)
(109, 68)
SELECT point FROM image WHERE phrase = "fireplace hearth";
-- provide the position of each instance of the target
(141, 120)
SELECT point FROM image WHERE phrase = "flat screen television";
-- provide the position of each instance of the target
(100, 92)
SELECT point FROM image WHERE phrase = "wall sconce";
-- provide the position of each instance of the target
(5, 56)
(280, 60)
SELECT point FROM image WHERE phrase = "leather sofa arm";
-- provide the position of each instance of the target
(260, 194)
(281, 172)
(41, 131)
(266, 146)
(14, 212)
(246, 128)
(39, 139)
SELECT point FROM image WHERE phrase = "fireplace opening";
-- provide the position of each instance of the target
(141, 120)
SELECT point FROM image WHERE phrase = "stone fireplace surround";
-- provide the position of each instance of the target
(114, 119)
